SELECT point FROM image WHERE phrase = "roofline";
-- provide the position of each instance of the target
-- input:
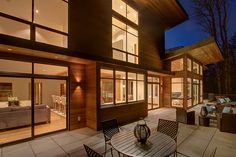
(182, 8)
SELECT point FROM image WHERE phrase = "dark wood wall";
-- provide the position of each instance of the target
(91, 96)
(151, 41)
(90, 26)
(90, 32)
(77, 96)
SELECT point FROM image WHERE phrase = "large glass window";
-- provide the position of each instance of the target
(125, 10)
(124, 42)
(120, 86)
(14, 28)
(177, 92)
(153, 92)
(189, 64)
(201, 70)
(50, 27)
(107, 86)
(18, 8)
(201, 91)
(195, 91)
(189, 90)
(177, 65)
(132, 83)
(50, 99)
(195, 68)
(56, 19)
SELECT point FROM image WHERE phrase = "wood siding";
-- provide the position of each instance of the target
(91, 96)
(77, 96)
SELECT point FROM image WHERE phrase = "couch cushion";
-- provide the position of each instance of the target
(18, 108)
(226, 109)
(5, 109)
(39, 106)
(227, 99)
(221, 100)
(209, 108)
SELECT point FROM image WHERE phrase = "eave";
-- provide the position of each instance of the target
(206, 52)
(170, 12)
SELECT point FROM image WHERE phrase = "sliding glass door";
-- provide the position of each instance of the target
(27, 87)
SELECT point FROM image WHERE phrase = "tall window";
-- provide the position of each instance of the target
(195, 68)
(124, 42)
(107, 86)
(177, 92)
(189, 64)
(129, 87)
(124, 37)
(50, 27)
(201, 70)
(177, 65)
(189, 90)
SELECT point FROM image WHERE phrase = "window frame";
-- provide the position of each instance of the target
(34, 25)
(127, 54)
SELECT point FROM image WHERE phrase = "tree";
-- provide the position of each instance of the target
(212, 17)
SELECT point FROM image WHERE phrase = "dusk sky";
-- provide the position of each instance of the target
(189, 32)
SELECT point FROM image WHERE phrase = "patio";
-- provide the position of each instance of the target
(194, 141)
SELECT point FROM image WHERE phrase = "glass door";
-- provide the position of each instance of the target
(153, 96)
(195, 92)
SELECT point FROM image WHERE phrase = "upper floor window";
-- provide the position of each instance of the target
(195, 68)
(177, 65)
(50, 20)
(125, 10)
(189, 64)
(201, 70)
(124, 42)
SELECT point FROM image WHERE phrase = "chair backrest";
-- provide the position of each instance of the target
(181, 115)
(90, 152)
(168, 127)
(109, 128)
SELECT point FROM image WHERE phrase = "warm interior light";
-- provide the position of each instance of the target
(37, 11)
(121, 7)
(9, 49)
(135, 15)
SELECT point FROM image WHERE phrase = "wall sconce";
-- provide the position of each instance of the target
(78, 84)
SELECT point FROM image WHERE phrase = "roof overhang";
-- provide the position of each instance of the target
(206, 52)
(168, 11)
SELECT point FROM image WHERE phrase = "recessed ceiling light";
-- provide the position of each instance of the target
(121, 7)
(37, 11)
(44, 70)
(9, 49)
(135, 15)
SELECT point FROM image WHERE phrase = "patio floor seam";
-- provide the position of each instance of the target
(59, 146)
(209, 143)
(32, 149)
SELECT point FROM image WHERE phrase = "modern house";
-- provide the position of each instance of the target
(67, 64)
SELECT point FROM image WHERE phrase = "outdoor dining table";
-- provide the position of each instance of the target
(157, 145)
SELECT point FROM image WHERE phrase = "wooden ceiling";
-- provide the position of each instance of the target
(169, 11)
(206, 52)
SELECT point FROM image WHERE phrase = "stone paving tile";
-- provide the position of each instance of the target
(54, 152)
(43, 144)
(18, 150)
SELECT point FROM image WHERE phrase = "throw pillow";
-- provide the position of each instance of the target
(209, 109)
(226, 109)
(221, 100)
(227, 99)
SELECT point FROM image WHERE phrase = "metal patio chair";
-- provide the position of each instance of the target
(90, 152)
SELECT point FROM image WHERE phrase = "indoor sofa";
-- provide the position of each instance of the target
(19, 116)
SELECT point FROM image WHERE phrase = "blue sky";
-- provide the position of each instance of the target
(188, 32)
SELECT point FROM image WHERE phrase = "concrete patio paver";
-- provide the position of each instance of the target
(193, 140)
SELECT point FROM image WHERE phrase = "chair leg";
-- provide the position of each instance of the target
(111, 152)
(105, 149)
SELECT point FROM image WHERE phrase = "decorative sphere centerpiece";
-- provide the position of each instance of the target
(142, 131)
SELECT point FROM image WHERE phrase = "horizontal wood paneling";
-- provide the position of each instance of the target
(124, 113)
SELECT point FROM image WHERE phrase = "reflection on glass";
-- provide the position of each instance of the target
(120, 91)
(118, 38)
(48, 37)
(56, 19)
(21, 9)
(19, 67)
(140, 90)
(177, 65)
(195, 68)
(106, 91)
(189, 64)
(132, 14)
(119, 55)
(119, 6)
(50, 111)
(132, 90)
(132, 44)
(45, 69)
(105, 73)
(177, 92)
(14, 28)
(15, 109)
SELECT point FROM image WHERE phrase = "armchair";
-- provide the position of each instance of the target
(226, 122)
(183, 116)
